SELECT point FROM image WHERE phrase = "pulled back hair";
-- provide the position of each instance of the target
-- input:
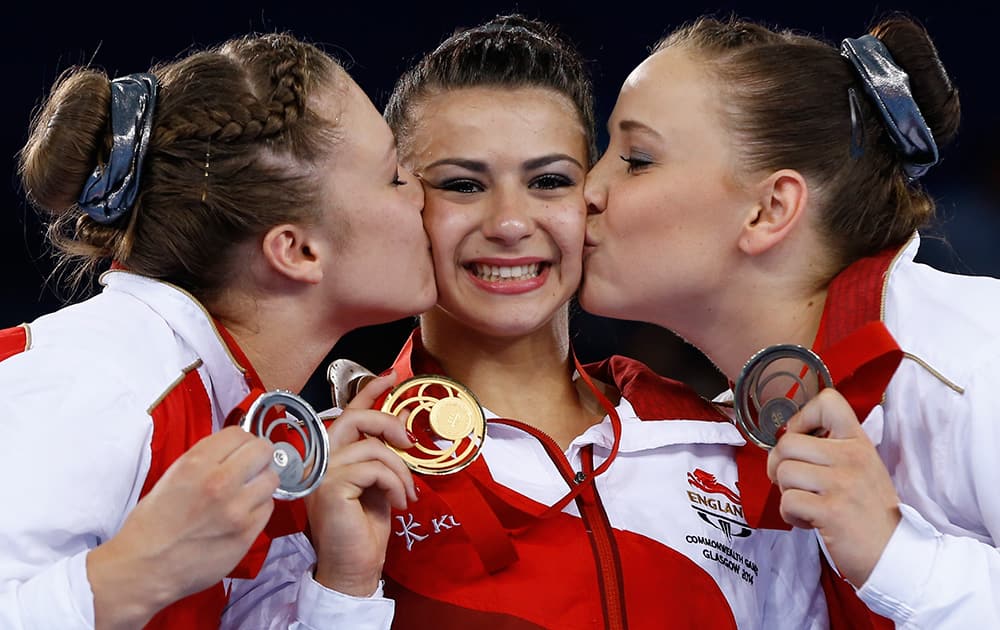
(234, 129)
(509, 51)
(785, 97)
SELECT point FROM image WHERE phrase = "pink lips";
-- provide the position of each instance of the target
(509, 286)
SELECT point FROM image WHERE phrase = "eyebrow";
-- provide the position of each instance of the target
(635, 125)
(477, 166)
(545, 160)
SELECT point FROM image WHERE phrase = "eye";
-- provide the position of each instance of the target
(397, 180)
(551, 181)
(636, 163)
(465, 186)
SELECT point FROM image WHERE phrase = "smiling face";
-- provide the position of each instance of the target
(503, 174)
(381, 269)
(666, 206)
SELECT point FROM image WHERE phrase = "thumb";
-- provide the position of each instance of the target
(371, 390)
(827, 414)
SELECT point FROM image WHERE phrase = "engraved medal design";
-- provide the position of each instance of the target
(301, 444)
(445, 420)
(773, 385)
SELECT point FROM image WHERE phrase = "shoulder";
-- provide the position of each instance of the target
(102, 354)
(652, 395)
(947, 320)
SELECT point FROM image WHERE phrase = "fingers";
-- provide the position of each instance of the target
(798, 447)
(807, 436)
(802, 476)
(355, 424)
(249, 458)
(219, 445)
(365, 475)
(801, 508)
(255, 500)
(371, 390)
(373, 450)
(260, 488)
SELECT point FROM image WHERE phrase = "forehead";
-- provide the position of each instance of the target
(520, 120)
(668, 84)
(355, 118)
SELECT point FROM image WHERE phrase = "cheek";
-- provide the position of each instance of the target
(567, 223)
(445, 229)
(642, 212)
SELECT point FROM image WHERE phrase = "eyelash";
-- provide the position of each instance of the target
(466, 186)
(549, 181)
(398, 181)
(635, 164)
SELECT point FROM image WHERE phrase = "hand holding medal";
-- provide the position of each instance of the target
(443, 417)
(301, 445)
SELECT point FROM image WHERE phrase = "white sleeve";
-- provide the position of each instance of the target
(58, 596)
(71, 459)
(930, 579)
(285, 595)
(926, 579)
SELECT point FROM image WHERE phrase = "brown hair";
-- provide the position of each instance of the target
(233, 127)
(509, 51)
(785, 96)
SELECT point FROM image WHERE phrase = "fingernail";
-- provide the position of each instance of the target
(412, 437)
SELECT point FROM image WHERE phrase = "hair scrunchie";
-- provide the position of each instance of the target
(112, 188)
(888, 86)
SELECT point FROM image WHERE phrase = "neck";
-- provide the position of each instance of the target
(527, 377)
(757, 317)
(272, 335)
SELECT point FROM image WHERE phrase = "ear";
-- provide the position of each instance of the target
(780, 206)
(293, 252)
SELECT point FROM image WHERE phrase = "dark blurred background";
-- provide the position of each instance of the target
(379, 40)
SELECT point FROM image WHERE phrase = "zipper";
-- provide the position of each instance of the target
(606, 557)
(594, 520)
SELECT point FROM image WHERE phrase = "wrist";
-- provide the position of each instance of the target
(877, 541)
(126, 595)
(353, 585)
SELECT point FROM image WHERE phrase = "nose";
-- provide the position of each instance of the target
(595, 189)
(509, 218)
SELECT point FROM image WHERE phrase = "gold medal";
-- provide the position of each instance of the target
(445, 420)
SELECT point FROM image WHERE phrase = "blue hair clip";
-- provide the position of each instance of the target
(112, 188)
(888, 87)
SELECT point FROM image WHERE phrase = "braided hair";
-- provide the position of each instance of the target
(235, 129)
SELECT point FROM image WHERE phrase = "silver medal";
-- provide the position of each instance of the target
(300, 471)
(771, 388)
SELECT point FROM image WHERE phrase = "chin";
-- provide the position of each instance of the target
(590, 300)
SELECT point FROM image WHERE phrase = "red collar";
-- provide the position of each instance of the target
(862, 357)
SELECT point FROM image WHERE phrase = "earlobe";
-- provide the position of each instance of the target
(289, 252)
(777, 211)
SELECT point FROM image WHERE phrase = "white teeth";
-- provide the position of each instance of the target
(492, 273)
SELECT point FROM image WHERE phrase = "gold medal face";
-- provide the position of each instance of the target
(445, 419)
